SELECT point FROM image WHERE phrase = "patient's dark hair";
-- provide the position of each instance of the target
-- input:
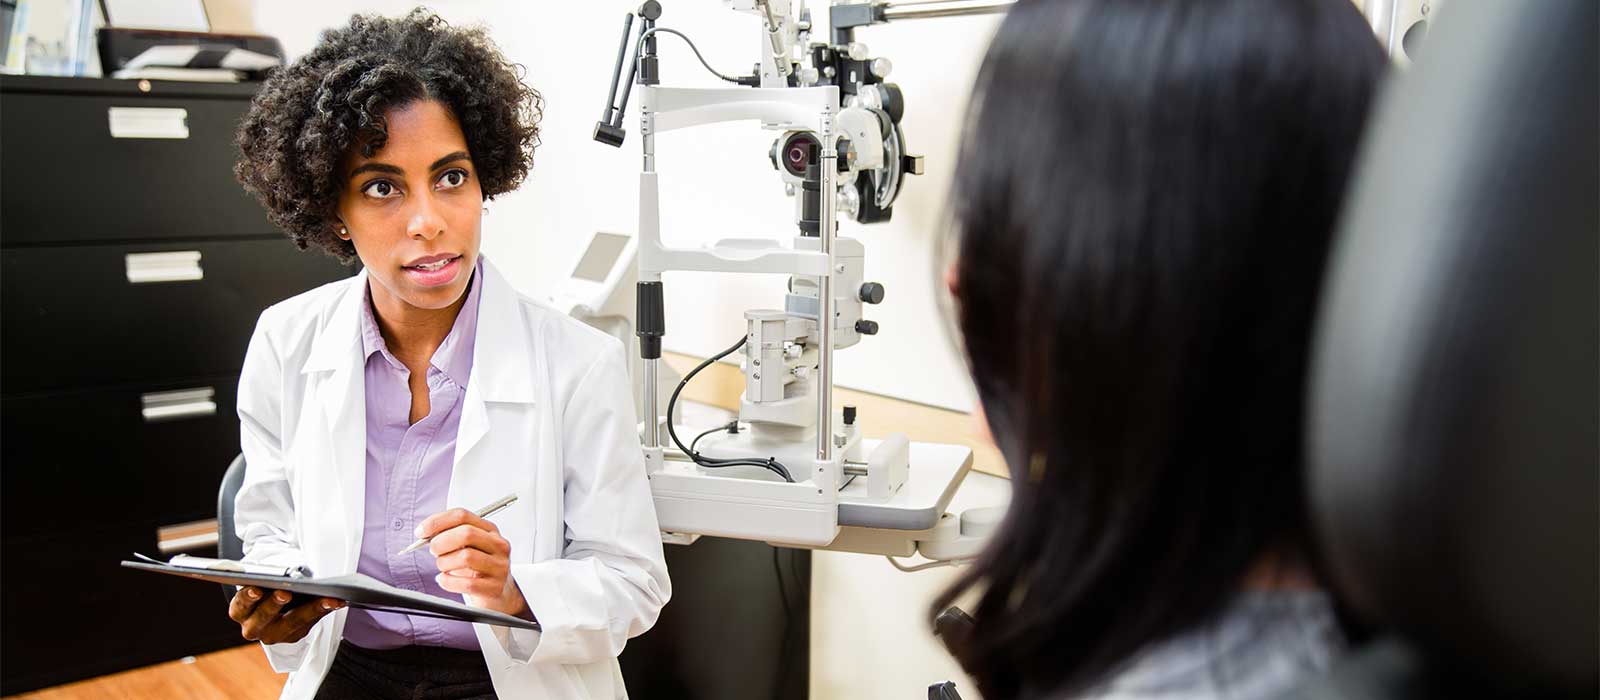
(308, 115)
(1145, 200)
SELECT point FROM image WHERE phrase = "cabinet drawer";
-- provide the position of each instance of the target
(73, 318)
(166, 174)
(73, 612)
(76, 459)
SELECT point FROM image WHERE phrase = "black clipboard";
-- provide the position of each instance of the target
(357, 590)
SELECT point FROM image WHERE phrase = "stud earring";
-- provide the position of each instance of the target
(344, 232)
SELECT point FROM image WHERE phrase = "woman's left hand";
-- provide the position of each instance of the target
(473, 560)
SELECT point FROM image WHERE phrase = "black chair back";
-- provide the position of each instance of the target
(229, 546)
(1454, 420)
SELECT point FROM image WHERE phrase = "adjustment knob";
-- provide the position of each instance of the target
(871, 293)
(881, 67)
(866, 327)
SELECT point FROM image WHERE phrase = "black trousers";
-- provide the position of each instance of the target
(407, 673)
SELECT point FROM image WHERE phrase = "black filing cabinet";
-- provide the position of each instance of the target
(132, 270)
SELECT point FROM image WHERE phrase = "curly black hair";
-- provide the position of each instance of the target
(308, 115)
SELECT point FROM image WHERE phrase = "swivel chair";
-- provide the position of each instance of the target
(1453, 422)
(229, 546)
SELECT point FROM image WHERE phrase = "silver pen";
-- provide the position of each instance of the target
(483, 512)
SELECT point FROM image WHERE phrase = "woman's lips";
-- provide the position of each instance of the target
(430, 276)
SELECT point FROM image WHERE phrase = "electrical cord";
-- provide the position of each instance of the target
(639, 49)
(696, 440)
(924, 567)
(769, 464)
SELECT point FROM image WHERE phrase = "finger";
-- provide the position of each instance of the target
(254, 625)
(463, 536)
(307, 615)
(243, 603)
(443, 520)
(266, 612)
(474, 559)
(483, 587)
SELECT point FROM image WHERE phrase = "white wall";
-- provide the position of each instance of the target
(716, 181)
(869, 635)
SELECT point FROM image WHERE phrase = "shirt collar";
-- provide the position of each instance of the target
(454, 356)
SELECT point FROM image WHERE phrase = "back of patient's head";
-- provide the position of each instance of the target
(1145, 199)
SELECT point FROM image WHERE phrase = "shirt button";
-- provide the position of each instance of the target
(399, 524)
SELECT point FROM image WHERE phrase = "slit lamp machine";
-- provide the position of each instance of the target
(794, 469)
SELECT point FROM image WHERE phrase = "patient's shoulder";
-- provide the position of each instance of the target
(1262, 645)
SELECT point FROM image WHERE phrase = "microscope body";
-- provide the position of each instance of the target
(794, 469)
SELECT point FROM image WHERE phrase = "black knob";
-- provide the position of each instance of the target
(872, 293)
(866, 327)
(849, 415)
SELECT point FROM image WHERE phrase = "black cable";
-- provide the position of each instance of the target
(769, 463)
(696, 440)
(693, 48)
(849, 481)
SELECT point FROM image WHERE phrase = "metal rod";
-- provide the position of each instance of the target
(652, 431)
(780, 62)
(616, 77)
(828, 160)
(927, 9)
(1383, 16)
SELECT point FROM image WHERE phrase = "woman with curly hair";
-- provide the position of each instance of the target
(383, 408)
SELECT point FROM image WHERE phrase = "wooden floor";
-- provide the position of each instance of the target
(240, 673)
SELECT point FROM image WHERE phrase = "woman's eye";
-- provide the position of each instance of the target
(454, 178)
(379, 190)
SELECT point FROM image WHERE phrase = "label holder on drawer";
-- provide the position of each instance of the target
(148, 122)
(161, 406)
(175, 266)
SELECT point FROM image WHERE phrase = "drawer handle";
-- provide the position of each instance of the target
(177, 266)
(162, 406)
(184, 537)
(148, 122)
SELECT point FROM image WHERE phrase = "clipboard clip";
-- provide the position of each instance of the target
(239, 567)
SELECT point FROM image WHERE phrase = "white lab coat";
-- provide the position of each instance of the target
(547, 414)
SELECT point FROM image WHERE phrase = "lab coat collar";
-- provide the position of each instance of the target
(339, 343)
(502, 358)
(502, 362)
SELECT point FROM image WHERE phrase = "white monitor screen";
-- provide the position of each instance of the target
(597, 261)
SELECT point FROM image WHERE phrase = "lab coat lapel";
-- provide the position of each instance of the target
(342, 398)
(502, 372)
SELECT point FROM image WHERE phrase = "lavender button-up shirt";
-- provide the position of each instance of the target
(408, 477)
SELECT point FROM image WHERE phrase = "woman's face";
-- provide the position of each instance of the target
(414, 210)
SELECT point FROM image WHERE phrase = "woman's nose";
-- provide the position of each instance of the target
(425, 222)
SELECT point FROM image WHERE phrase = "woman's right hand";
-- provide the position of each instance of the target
(262, 617)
